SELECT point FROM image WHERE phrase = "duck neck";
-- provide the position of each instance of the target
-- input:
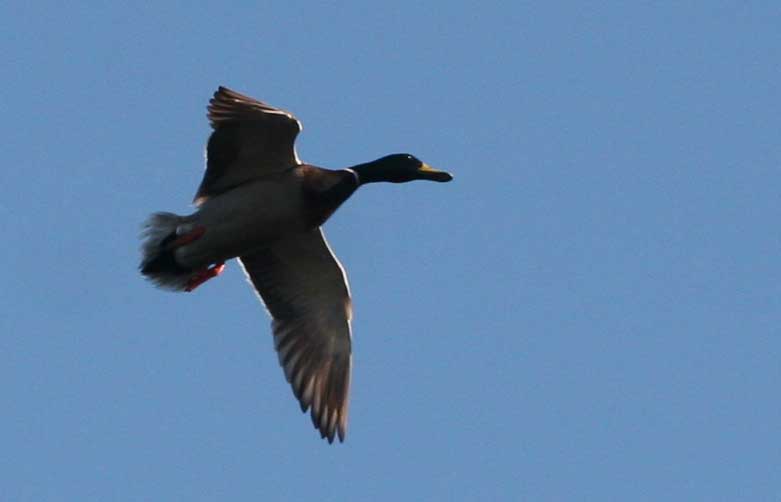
(366, 173)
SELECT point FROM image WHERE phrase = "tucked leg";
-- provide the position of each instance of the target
(204, 275)
(186, 238)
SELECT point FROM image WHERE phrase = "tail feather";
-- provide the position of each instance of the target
(158, 263)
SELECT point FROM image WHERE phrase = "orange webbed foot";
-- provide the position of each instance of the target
(204, 275)
(187, 237)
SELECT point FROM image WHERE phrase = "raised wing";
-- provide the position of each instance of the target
(305, 289)
(250, 139)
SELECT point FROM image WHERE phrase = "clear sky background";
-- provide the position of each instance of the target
(589, 311)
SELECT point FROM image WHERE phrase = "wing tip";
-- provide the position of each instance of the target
(328, 403)
(330, 429)
(227, 104)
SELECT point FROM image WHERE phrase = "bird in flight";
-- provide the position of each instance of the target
(259, 203)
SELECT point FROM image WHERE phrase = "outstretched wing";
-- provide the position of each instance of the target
(250, 139)
(305, 289)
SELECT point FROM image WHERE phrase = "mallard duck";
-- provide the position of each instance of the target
(260, 204)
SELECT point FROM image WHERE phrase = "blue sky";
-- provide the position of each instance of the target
(590, 311)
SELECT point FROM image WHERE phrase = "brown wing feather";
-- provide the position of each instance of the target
(305, 289)
(250, 139)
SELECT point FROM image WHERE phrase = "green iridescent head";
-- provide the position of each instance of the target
(399, 168)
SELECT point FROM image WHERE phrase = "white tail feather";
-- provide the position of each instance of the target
(156, 229)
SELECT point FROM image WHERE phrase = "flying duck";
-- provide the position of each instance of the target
(260, 204)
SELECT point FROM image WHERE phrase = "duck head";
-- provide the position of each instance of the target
(399, 168)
